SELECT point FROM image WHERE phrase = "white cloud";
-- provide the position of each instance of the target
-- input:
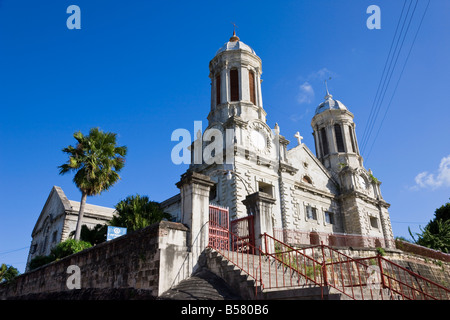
(306, 93)
(297, 116)
(434, 181)
(321, 75)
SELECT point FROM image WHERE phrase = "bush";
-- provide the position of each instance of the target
(39, 261)
(63, 249)
(68, 247)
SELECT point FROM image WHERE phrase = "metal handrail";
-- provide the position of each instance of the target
(387, 281)
(346, 273)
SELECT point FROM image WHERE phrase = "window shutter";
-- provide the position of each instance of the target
(339, 138)
(323, 135)
(251, 80)
(234, 85)
(218, 84)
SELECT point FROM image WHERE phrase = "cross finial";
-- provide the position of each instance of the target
(328, 95)
(234, 37)
(299, 138)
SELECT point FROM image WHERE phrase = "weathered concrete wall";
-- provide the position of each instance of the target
(131, 261)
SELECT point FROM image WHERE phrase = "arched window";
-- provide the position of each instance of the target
(251, 83)
(234, 85)
(218, 83)
(339, 138)
(324, 139)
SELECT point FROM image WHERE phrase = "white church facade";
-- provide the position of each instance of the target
(328, 192)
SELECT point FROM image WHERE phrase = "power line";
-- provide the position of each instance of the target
(398, 81)
(385, 83)
(370, 119)
(14, 250)
(409, 222)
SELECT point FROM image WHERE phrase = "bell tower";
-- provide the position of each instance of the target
(334, 135)
(235, 74)
(236, 115)
(337, 148)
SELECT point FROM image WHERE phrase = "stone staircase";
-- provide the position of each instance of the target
(280, 282)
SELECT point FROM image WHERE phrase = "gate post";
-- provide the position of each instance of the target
(194, 190)
(259, 204)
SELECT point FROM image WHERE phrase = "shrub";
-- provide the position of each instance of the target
(63, 249)
(39, 261)
(68, 247)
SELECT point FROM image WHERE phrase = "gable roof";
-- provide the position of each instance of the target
(68, 206)
(61, 197)
(319, 164)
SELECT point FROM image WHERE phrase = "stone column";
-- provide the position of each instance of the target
(194, 190)
(244, 84)
(260, 205)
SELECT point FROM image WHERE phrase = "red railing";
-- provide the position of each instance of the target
(301, 237)
(244, 229)
(218, 235)
(372, 278)
(281, 266)
(410, 285)
(239, 252)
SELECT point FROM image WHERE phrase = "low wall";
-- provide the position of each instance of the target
(131, 261)
(422, 251)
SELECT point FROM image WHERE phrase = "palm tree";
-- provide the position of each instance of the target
(136, 212)
(96, 161)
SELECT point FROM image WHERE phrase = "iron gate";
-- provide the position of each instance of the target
(218, 227)
(244, 229)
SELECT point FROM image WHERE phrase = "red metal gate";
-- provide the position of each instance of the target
(244, 229)
(218, 227)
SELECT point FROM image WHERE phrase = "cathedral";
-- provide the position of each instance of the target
(328, 192)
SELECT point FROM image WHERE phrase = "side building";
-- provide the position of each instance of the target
(58, 219)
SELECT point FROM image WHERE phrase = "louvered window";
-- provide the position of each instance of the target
(251, 80)
(218, 89)
(234, 85)
(323, 136)
(339, 138)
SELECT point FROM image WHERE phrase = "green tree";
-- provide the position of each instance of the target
(7, 273)
(61, 250)
(135, 212)
(442, 214)
(95, 235)
(436, 234)
(96, 161)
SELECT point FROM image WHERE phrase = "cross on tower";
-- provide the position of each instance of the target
(299, 138)
(234, 27)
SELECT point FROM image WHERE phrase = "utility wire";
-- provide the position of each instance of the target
(388, 77)
(14, 250)
(398, 81)
(370, 119)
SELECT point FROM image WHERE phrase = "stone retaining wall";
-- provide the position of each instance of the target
(131, 261)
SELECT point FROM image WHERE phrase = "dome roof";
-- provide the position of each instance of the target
(235, 44)
(330, 104)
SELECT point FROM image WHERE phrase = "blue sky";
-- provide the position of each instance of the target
(140, 69)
